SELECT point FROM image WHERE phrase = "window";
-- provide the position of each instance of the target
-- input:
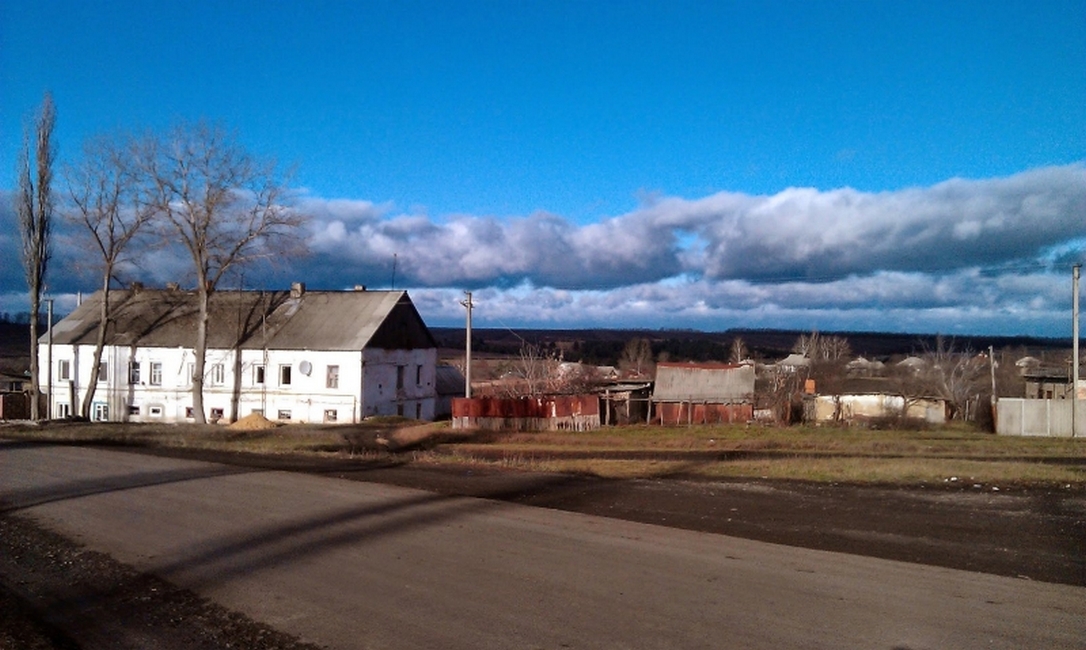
(154, 411)
(330, 415)
(216, 415)
(192, 373)
(218, 374)
(64, 371)
(156, 373)
(134, 373)
(284, 414)
(418, 410)
(133, 409)
(100, 412)
(257, 411)
(190, 413)
(399, 378)
(418, 375)
(284, 376)
(258, 375)
(103, 372)
(64, 411)
(333, 377)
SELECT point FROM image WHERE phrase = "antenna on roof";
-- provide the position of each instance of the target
(394, 271)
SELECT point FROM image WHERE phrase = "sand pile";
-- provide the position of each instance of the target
(252, 422)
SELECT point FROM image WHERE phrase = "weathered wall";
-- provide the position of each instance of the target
(701, 413)
(16, 406)
(846, 408)
(549, 413)
(1040, 417)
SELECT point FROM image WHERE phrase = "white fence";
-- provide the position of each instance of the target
(1040, 417)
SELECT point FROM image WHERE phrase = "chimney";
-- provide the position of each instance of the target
(173, 286)
(297, 289)
(137, 287)
(359, 287)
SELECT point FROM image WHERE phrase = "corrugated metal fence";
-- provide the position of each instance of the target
(549, 413)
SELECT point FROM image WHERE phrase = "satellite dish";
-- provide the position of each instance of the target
(305, 367)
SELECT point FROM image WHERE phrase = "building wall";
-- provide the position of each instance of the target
(702, 413)
(296, 384)
(400, 382)
(846, 408)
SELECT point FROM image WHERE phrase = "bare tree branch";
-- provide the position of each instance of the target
(226, 208)
(103, 188)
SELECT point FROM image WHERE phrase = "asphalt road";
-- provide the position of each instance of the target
(347, 564)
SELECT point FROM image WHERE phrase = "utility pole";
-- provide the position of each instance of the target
(1074, 344)
(49, 369)
(993, 402)
(467, 358)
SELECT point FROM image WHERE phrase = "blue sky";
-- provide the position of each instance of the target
(905, 166)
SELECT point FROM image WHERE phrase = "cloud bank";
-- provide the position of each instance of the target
(973, 256)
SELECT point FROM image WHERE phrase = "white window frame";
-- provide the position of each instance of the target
(100, 412)
(332, 377)
(285, 374)
(156, 373)
(218, 374)
(259, 374)
(64, 370)
(134, 373)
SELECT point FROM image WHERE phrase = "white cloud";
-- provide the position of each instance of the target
(971, 253)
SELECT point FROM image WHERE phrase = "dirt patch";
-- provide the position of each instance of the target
(57, 595)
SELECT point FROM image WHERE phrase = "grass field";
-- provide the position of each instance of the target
(942, 456)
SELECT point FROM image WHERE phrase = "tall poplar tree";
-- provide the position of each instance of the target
(34, 207)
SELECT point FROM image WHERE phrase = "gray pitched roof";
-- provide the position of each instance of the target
(317, 320)
(703, 382)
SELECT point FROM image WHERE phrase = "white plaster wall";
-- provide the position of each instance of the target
(307, 398)
(417, 397)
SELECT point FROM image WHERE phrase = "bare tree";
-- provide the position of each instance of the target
(226, 209)
(739, 352)
(807, 344)
(103, 189)
(637, 357)
(34, 206)
(956, 377)
(818, 347)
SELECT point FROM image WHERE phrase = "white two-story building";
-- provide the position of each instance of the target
(297, 356)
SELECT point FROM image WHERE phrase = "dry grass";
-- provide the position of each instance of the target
(727, 451)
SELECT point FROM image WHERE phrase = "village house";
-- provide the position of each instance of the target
(689, 393)
(293, 356)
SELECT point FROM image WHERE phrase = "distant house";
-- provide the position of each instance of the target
(297, 356)
(861, 367)
(687, 393)
(1047, 383)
